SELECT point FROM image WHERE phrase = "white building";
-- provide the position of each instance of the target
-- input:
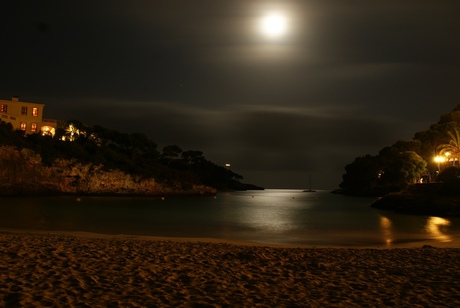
(26, 116)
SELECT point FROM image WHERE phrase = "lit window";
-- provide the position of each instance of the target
(4, 108)
(33, 127)
(23, 125)
(23, 110)
(35, 112)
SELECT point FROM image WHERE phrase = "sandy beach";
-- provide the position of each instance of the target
(63, 270)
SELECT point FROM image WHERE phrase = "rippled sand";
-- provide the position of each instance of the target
(64, 271)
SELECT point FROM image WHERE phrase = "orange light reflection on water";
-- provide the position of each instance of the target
(385, 224)
(434, 228)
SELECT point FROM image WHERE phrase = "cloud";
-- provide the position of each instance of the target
(255, 139)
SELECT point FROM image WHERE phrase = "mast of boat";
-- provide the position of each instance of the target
(309, 190)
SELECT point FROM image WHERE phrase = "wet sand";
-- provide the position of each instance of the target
(65, 270)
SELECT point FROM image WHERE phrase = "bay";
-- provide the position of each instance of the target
(290, 217)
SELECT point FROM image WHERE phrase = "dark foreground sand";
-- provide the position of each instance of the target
(55, 270)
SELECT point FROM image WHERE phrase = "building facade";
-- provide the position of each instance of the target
(26, 116)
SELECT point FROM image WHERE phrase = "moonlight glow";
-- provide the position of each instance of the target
(274, 25)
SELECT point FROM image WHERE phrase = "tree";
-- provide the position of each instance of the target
(192, 157)
(451, 149)
(75, 130)
(404, 161)
(170, 153)
(449, 174)
(405, 169)
(361, 175)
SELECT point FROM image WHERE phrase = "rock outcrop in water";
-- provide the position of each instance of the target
(23, 173)
(434, 199)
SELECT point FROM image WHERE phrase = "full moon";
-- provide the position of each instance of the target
(274, 25)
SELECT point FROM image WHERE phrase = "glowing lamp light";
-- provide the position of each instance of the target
(439, 159)
(227, 165)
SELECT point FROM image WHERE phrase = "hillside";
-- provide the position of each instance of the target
(406, 162)
(418, 176)
(98, 161)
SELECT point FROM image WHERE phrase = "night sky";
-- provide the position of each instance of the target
(344, 79)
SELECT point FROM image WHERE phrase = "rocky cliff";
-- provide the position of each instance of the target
(22, 172)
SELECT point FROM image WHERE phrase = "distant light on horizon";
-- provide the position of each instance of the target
(227, 165)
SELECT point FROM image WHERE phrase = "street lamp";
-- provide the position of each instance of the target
(439, 159)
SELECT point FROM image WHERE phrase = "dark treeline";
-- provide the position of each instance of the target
(397, 167)
(132, 153)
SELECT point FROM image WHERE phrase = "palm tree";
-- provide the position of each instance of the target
(451, 150)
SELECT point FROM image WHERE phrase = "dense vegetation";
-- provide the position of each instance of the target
(404, 163)
(131, 153)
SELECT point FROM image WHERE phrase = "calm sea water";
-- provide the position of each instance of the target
(270, 216)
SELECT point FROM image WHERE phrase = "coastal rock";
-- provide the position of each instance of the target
(422, 199)
(22, 172)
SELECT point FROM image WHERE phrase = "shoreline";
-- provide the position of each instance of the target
(43, 269)
(135, 237)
